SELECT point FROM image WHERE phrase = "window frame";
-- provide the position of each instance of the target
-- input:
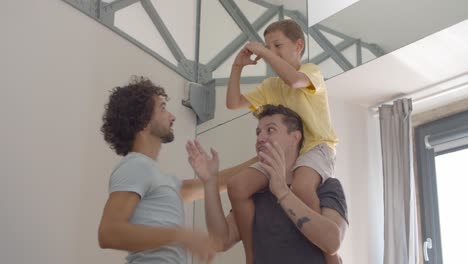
(428, 136)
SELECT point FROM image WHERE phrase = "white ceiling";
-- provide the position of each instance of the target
(396, 23)
(430, 65)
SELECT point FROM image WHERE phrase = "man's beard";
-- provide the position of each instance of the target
(165, 136)
(168, 137)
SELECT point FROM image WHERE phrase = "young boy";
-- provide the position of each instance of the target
(300, 87)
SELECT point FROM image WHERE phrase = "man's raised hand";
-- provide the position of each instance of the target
(205, 167)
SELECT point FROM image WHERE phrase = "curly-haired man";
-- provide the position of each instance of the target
(144, 213)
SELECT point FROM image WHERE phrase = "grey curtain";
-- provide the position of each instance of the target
(400, 221)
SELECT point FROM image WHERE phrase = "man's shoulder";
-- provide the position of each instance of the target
(135, 163)
(331, 195)
(138, 159)
(331, 188)
(331, 184)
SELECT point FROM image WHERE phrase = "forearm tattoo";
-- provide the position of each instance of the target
(301, 221)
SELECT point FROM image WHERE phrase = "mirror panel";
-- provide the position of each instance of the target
(338, 40)
(368, 29)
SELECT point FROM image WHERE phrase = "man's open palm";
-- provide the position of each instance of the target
(204, 166)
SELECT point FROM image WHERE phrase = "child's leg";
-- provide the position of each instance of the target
(241, 187)
(306, 190)
(305, 184)
(311, 169)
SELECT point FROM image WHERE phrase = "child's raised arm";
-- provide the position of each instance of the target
(286, 68)
(234, 98)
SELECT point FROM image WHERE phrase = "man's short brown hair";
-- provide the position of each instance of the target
(291, 119)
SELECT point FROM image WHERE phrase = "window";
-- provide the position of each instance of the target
(442, 165)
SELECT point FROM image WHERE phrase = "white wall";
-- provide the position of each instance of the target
(358, 164)
(57, 66)
(234, 142)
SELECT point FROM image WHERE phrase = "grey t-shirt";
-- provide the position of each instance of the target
(160, 204)
(276, 239)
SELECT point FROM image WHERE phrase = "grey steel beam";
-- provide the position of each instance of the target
(240, 20)
(288, 12)
(107, 11)
(325, 55)
(152, 53)
(117, 5)
(197, 40)
(90, 7)
(106, 16)
(324, 43)
(264, 3)
(358, 53)
(334, 32)
(328, 47)
(281, 13)
(161, 27)
(243, 80)
(298, 17)
(232, 47)
(374, 48)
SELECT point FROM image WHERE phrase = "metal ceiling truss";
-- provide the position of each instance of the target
(241, 39)
(196, 72)
(240, 19)
(104, 14)
(330, 49)
(202, 73)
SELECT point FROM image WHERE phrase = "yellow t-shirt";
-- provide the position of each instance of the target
(311, 103)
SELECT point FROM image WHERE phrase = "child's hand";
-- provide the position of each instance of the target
(205, 167)
(243, 58)
(256, 48)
